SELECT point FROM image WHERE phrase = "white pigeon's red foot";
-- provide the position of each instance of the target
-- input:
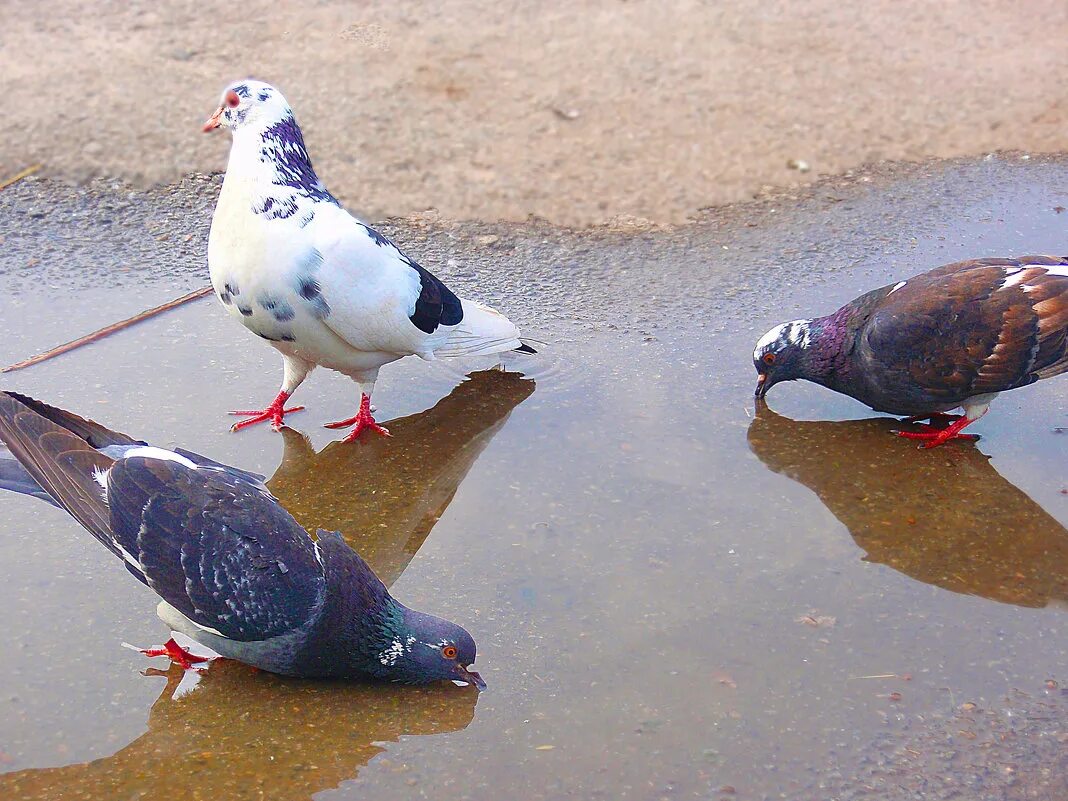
(177, 654)
(363, 421)
(933, 437)
(275, 412)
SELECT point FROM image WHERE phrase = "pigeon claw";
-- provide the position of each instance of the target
(933, 437)
(177, 654)
(366, 425)
(362, 421)
(274, 413)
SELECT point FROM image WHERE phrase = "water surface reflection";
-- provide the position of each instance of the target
(945, 517)
(245, 734)
(385, 495)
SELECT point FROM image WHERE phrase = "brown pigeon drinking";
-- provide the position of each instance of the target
(952, 337)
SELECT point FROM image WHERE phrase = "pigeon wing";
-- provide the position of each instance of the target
(371, 294)
(16, 478)
(955, 333)
(222, 552)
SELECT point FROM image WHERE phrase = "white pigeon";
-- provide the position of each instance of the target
(324, 288)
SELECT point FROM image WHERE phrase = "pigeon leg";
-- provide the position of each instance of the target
(177, 654)
(294, 371)
(275, 412)
(974, 408)
(361, 422)
(934, 437)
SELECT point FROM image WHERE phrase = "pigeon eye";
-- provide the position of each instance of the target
(232, 100)
(449, 652)
(769, 358)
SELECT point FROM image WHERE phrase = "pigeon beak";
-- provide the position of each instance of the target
(762, 386)
(471, 677)
(213, 121)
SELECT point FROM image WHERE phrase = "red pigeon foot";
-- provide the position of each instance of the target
(361, 422)
(933, 437)
(177, 654)
(275, 412)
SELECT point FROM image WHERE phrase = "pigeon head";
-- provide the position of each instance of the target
(779, 354)
(248, 104)
(424, 648)
(371, 633)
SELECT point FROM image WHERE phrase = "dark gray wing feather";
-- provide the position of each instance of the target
(236, 472)
(223, 553)
(436, 304)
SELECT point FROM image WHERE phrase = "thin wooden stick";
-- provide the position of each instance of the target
(14, 179)
(111, 329)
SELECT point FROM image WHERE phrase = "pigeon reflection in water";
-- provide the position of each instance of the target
(242, 733)
(385, 496)
(949, 520)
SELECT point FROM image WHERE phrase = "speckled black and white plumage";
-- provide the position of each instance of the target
(358, 302)
(954, 336)
(234, 570)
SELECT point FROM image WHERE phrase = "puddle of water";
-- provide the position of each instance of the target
(670, 592)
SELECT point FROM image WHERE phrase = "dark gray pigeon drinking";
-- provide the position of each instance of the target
(952, 337)
(235, 571)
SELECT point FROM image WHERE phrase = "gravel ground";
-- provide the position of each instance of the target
(1012, 752)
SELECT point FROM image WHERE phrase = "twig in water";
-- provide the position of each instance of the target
(111, 329)
(14, 179)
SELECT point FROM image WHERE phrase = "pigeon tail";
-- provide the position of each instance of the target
(14, 478)
(63, 464)
(482, 331)
(96, 435)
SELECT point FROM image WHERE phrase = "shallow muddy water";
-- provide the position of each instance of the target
(674, 594)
